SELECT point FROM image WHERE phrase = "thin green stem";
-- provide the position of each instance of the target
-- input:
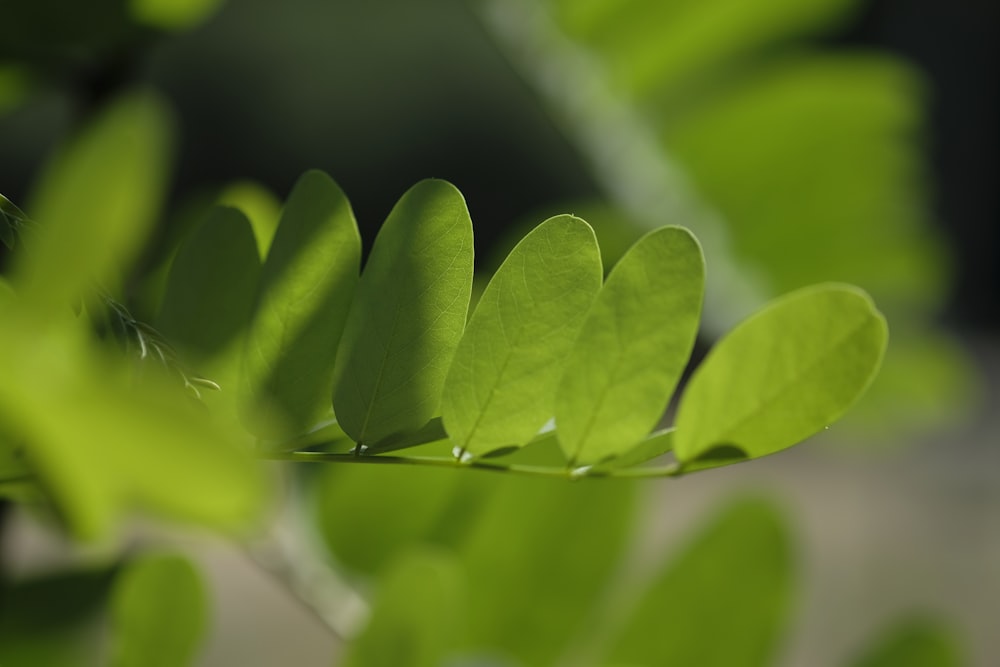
(533, 471)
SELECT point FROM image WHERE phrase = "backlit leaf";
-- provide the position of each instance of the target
(783, 374)
(306, 287)
(501, 386)
(632, 349)
(408, 316)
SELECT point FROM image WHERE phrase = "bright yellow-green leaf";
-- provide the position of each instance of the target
(96, 202)
(306, 288)
(159, 613)
(501, 387)
(782, 375)
(103, 444)
(259, 205)
(407, 317)
(722, 602)
(632, 349)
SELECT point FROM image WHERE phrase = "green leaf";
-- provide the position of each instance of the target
(501, 387)
(96, 202)
(722, 602)
(783, 374)
(117, 445)
(306, 288)
(212, 285)
(656, 445)
(560, 544)
(172, 14)
(632, 349)
(416, 615)
(408, 316)
(159, 613)
(259, 205)
(914, 642)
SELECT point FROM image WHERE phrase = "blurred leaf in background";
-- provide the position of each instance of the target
(793, 165)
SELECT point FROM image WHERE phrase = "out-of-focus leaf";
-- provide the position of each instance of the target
(531, 592)
(259, 205)
(172, 14)
(15, 84)
(366, 537)
(915, 642)
(501, 386)
(305, 290)
(814, 164)
(632, 349)
(53, 621)
(652, 45)
(96, 202)
(722, 602)
(116, 444)
(212, 285)
(159, 613)
(782, 375)
(407, 317)
(416, 617)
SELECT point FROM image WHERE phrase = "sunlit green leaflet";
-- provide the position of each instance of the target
(501, 386)
(305, 290)
(781, 376)
(407, 317)
(632, 349)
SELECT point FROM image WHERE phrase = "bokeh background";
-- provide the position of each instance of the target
(828, 140)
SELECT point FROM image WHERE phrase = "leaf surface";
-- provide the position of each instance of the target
(96, 202)
(914, 642)
(501, 386)
(408, 316)
(159, 613)
(783, 374)
(632, 348)
(722, 602)
(306, 287)
(211, 286)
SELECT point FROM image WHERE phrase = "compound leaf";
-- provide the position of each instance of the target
(501, 386)
(632, 348)
(782, 375)
(408, 316)
(306, 287)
